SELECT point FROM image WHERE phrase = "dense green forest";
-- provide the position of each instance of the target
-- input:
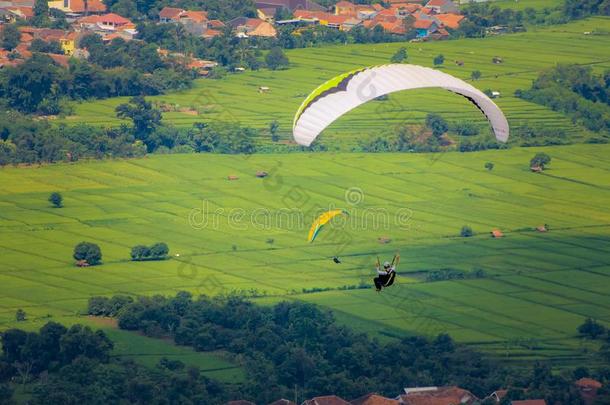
(577, 92)
(296, 344)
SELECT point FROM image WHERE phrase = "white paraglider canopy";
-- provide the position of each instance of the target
(346, 92)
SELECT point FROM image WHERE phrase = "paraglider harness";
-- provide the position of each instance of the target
(386, 280)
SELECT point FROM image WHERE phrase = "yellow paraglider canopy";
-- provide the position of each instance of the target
(321, 221)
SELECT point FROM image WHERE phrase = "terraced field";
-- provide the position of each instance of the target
(236, 98)
(250, 235)
(523, 4)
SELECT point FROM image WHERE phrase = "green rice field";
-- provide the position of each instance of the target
(249, 235)
(236, 98)
(523, 4)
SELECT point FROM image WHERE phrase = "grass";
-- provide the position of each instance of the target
(523, 4)
(236, 98)
(149, 351)
(539, 286)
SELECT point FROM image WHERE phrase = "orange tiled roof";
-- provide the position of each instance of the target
(423, 24)
(588, 383)
(374, 399)
(450, 20)
(93, 6)
(26, 12)
(170, 12)
(197, 16)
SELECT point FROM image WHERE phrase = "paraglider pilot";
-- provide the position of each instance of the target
(385, 277)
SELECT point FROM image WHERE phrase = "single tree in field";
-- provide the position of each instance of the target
(591, 328)
(144, 116)
(20, 315)
(540, 160)
(439, 60)
(475, 75)
(276, 59)
(436, 124)
(400, 55)
(11, 36)
(466, 232)
(56, 199)
(159, 250)
(489, 166)
(273, 128)
(88, 252)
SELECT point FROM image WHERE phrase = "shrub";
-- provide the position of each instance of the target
(56, 199)
(466, 231)
(20, 315)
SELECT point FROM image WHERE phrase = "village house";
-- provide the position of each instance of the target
(290, 5)
(327, 19)
(588, 388)
(252, 27)
(497, 395)
(441, 6)
(449, 20)
(267, 14)
(437, 395)
(326, 400)
(194, 22)
(374, 399)
(12, 13)
(424, 28)
(79, 7)
(104, 22)
(366, 12)
(345, 8)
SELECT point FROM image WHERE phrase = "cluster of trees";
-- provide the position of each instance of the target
(23, 140)
(281, 347)
(10, 36)
(26, 355)
(467, 145)
(295, 344)
(539, 135)
(481, 16)
(157, 251)
(223, 10)
(70, 366)
(591, 329)
(583, 8)
(232, 52)
(576, 91)
(39, 85)
(298, 345)
(431, 138)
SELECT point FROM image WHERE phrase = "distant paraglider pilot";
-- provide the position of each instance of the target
(386, 275)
